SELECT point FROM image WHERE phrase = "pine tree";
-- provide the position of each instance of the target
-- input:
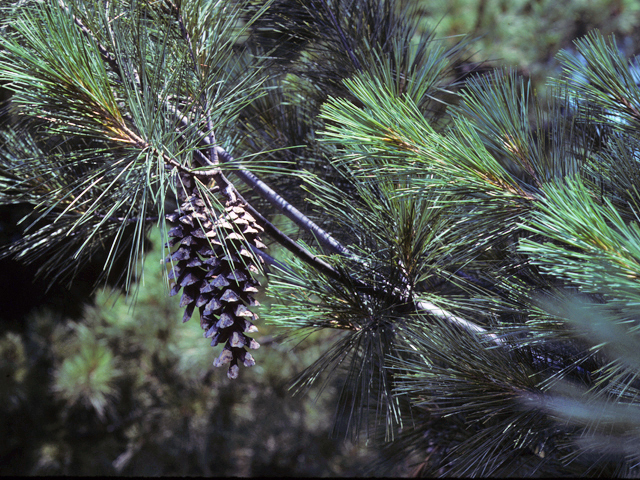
(476, 249)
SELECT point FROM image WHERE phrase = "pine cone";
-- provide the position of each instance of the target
(214, 265)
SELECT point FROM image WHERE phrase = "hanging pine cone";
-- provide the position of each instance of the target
(214, 265)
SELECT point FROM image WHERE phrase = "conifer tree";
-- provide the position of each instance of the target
(477, 250)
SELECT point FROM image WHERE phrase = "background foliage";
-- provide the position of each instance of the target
(118, 391)
(527, 34)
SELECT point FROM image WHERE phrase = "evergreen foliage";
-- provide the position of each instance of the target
(165, 410)
(476, 249)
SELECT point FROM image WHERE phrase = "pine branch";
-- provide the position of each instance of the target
(257, 185)
(264, 190)
(343, 38)
(222, 182)
(304, 222)
(251, 180)
(368, 289)
(428, 307)
(211, 140)
(269, 194)
(107, 56)
(305, 255)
